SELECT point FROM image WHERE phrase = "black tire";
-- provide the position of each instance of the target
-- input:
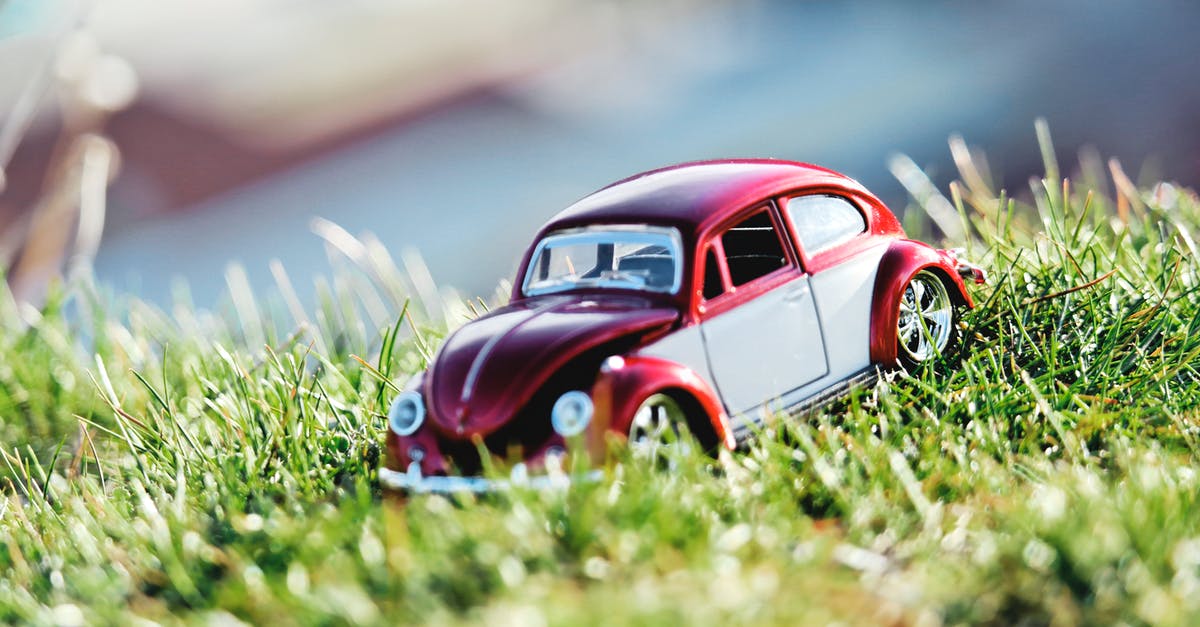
(926, 326)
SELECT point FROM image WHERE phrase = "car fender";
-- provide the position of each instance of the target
(902, 261)
(625, 382)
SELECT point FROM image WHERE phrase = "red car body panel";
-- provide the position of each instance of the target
(434, 460)
(882, 225)
(624, 382)
(489, 369)
(697, 198)
(902, 261)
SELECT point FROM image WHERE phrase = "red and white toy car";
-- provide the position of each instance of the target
(701, 296)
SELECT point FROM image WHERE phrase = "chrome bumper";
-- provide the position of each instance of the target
(972, 272)
(966, 269)
(414, 482)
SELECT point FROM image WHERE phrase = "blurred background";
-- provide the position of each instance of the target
(159, 141)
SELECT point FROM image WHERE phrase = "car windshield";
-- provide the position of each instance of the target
(619, 257)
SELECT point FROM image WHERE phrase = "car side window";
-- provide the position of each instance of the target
(752, 248)
(714, 285)
(822, 221)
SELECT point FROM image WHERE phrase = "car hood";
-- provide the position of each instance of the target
(489, 369)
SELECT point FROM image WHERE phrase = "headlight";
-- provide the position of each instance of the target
(407, 413)
(571, 413)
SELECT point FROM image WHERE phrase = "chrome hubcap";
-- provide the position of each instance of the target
(925, 317)
(654, 432)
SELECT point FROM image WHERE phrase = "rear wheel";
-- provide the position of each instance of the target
(925, 327)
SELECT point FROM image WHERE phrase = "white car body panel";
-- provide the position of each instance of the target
(766, 348)
(685, 347)
(844, 296)
(772, 353)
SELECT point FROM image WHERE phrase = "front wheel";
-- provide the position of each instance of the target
(925, 327)
(659, 429)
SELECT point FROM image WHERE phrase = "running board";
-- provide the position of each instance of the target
(864, 378)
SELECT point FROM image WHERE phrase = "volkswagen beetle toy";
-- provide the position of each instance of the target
(701, 296)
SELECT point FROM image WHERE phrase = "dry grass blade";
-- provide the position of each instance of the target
(1059, 294)
(935, 205)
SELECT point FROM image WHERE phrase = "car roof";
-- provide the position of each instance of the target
(689, 195)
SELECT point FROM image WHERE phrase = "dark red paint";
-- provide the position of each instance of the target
(526, 342)
(625, 382)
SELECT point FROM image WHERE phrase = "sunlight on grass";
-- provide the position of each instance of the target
(187, 466)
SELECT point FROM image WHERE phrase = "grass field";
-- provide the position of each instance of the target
(168, 466)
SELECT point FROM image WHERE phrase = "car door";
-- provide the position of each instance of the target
(834, 245)
(758, 317)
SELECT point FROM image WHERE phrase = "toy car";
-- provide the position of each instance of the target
(701, 296)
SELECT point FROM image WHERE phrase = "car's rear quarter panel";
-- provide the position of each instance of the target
(903, 260)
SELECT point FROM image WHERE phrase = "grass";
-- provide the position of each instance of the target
(183, 467)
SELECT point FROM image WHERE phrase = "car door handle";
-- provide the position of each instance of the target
(796, 293)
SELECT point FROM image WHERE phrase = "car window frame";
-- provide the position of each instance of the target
(717, 248)
(830, 255)
(735, 295)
